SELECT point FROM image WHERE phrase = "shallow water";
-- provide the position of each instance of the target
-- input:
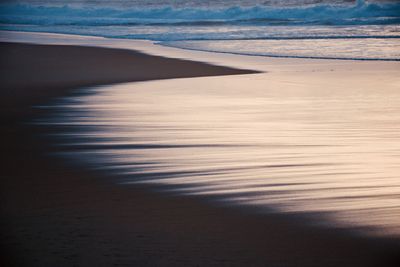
(286, 144)
(330, 48)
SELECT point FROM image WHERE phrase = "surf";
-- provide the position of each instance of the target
(360, 13)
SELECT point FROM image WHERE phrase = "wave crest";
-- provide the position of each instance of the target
(361, 13)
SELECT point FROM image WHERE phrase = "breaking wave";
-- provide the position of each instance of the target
(361, 13)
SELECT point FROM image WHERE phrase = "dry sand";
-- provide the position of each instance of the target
(56, 215)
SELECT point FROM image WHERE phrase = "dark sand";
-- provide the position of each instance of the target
(55, 215)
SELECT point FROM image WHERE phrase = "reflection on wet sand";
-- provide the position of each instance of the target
(327, 146)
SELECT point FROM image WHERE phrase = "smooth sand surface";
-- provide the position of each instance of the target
(53, 214)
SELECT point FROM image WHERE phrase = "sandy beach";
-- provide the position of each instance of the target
(53, 214)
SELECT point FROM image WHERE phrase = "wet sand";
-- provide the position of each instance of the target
(53, 214)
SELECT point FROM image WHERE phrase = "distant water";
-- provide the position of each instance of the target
(332, 151)
(308, 28)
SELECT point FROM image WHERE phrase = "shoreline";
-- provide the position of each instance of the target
(57, 216)
(163, 43)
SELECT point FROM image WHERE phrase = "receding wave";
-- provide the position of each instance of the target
(305, 37)
(347, 48)
(361, 13)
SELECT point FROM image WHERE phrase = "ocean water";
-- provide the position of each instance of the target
(321, 29)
